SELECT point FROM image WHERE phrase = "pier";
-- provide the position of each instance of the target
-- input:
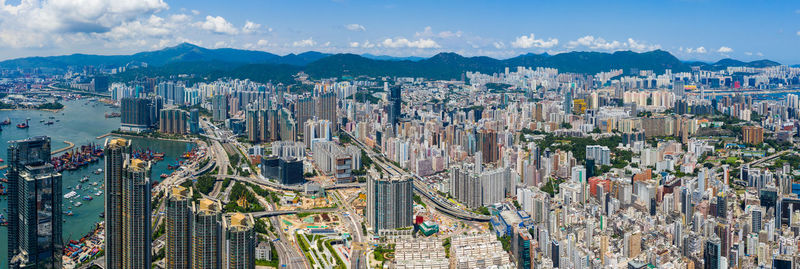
(69, 146)
(103, 136)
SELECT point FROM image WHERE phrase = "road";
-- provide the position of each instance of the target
(439, 202)
(288, 254)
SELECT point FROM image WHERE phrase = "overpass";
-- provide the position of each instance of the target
(290, 187)
(439, 202)
(289, 212)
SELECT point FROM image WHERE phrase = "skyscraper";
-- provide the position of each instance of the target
(521, 247)
(179, 228)
(240, 241)
(116, 151)
(136, 232)
(711, 254)
(207, 235)
(194, 121)
(34, 205)
(389, 203)
(395, 102)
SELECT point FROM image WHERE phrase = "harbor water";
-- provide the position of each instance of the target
(80, 122)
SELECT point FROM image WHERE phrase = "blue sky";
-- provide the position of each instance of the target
(705, 30)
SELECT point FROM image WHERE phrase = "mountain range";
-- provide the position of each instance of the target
(264, 66)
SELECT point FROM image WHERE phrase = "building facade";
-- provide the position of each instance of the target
(390, 203)
(34, 205)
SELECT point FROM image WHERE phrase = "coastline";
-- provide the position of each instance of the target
(117, 133)
(33, 109)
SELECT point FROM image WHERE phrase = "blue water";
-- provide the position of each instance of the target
(80, 122)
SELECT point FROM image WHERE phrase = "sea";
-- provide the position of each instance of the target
(80, 122)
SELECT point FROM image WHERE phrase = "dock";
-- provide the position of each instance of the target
(103, 136)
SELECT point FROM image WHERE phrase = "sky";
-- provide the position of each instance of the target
(705, 30)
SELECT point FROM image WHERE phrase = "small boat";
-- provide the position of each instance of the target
(48, 123)
(98, 193)
(6, 122)
(163, 175)
(23, 125)
(69, 213)
(87, 198)
(102, 214)
(84, 179)
(94, 183)
(98, 171)
(78, 187)
(41, 120)
(1, 160)
(70, 195)
(78, 204)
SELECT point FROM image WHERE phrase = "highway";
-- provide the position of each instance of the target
(288, 254)
(440, 203)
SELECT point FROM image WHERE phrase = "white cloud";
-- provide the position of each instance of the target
(748, 53)
(355, 27)
(699, 50)
(405, 43)
(724, 49)
(427, 32)
(798, 32)
(217, 25)
(304, 43)
(262, 42)
(499, 45)
(530, 41)
(354, 44)
(195, 12)
(36, 23)
(250, 27)
(598, 43)
(759, 54)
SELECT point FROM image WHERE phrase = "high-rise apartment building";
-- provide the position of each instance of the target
(304, 110)
(219, 108)
(140, 114)
(390, 203)
(240, 241)
(179, 228)
(207, 235)
(136, 230)
(753, 135)
(34, 205)
(173, 121)
(326, 108)
(116, 151)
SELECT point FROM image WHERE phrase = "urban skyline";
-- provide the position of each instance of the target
(692, 30)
